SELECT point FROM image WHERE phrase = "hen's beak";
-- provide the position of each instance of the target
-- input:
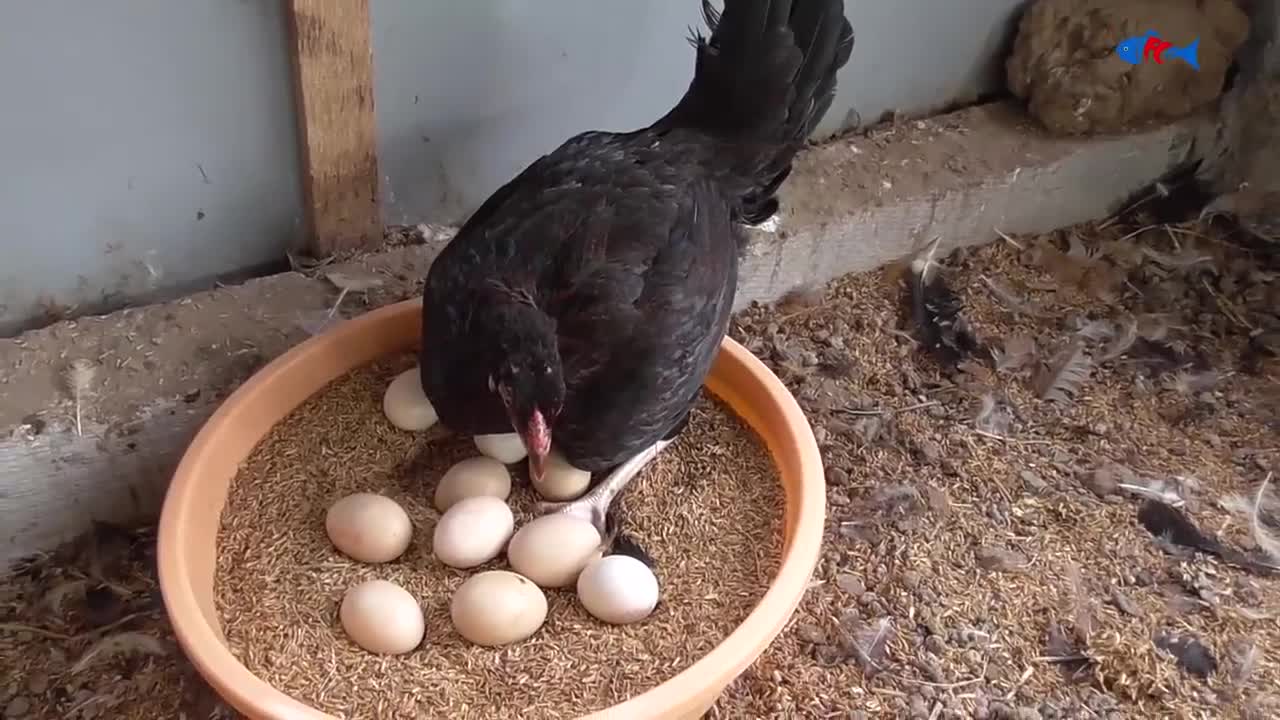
(537, 441)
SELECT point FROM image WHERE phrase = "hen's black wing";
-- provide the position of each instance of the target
(634, 257)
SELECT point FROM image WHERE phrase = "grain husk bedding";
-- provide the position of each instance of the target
(279, 580)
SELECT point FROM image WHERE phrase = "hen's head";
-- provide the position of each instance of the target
(530, 382)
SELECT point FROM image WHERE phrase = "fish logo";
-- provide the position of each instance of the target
(1150, 46)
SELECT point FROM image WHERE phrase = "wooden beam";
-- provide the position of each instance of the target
(333, 77)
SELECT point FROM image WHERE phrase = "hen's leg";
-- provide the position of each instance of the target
(594, 506)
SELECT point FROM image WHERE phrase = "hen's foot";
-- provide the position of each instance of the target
(594, 506)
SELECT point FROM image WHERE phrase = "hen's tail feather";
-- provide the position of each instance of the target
(763, 80)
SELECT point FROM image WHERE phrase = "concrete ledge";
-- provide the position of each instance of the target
(853, 205)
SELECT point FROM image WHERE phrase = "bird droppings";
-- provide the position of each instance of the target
(280, 580)
(925, 469)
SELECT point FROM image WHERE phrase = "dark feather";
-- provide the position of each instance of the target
(935, 312)
(1065, 373)
(1191, 655)
(1177, 196)
(1171, 524)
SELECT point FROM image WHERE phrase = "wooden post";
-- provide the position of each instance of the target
(333, 77)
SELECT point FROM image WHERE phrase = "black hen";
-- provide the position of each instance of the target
(586, 299)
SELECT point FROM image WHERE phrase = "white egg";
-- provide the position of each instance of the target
(472, 532)
(506, 448)
(551, 550)
(561, 481)
(473, 477)
(618, 589)
(497, 608)
(406, 405)
(382, 617)
(369, 528)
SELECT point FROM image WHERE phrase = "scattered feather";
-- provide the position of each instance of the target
(1123, 603)
(1184, 260)
(111, 646)
(1267, 538)
(1262, 347)
(1080, 268)
(1069, 658)
(939, 503)
(1177, 196)
(935, 311)
(1105, 479)
(354, 281)
(79, 381)
(1153, 326)
(995, 416)
(1245, 659)
(1012, 301)
(997, 559)
(1261, 707)
(869, 644)
(1096, 330)
(624, 544)
(889, 499)
(56, 598)
(1077, 249)
(977, 374)
(1125, 335)
(1016, 353)
(315, 322)
(1165, 491)
(1066, 269)
(836, 365)
(1165, 521)
(435, 233)
(103, 606)
(1065, 373)
(1171, 525)
(1167, 356)
(349, 281)
(1187, 382)
(1081, 603)
(1124, 252)
(1190, 654)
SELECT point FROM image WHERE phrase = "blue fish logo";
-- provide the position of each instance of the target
(1150, 46)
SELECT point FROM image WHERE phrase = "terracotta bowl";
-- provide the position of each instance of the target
(189, 522)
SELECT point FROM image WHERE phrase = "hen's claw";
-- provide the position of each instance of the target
(591, 512)
(594, 506)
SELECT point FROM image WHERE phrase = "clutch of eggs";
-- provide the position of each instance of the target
(506, 448)
(406, 405)
(552, 549)
(382, 617)
(472, 531)
(497, 608)
(368, 527)
(618, 589)
(561, 481)
(470, 478)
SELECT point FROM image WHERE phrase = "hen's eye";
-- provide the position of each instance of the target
(546, 369)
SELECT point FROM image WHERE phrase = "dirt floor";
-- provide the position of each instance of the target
(1054, 524)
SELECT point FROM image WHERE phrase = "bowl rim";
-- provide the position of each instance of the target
(684, 692)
